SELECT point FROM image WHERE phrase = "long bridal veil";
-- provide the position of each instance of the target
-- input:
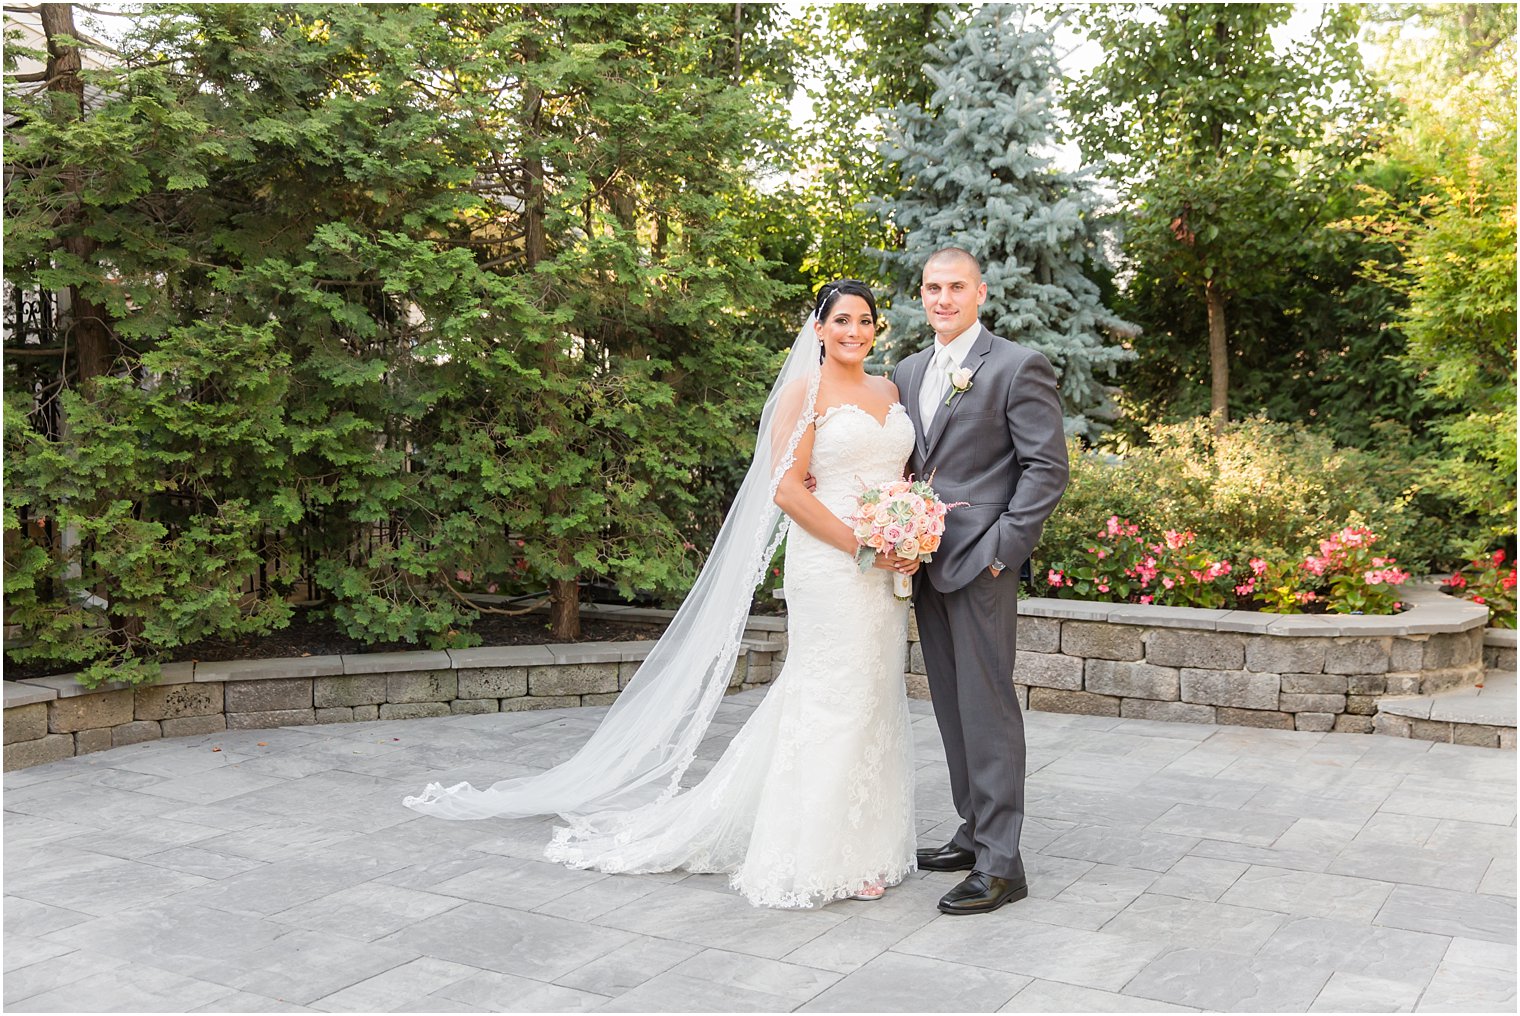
(652, 730)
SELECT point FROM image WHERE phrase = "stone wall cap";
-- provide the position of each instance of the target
(593, 652)
(1251, 622)
(1073, 610)
(1391, 624)
(182, 672)
(1504, 638)
(1430, 612)
(501, 656)
(599, 608)
(645, 614)
(67, 685)
(1415, 706)
(1435, 621)
(1202, 618)
(263, 670)
(1304, 624)
(395, 663)
(17, 694)
(1474, 705)
(765, 622)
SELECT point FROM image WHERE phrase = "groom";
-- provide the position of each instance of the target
(988, 421)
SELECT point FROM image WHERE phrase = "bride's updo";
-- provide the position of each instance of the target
(832, 291)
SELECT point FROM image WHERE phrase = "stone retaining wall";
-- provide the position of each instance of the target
(1162, 663)
(1295, 672)
(1499, 649)
(53, 718)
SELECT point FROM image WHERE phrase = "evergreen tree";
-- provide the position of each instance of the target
(979, 173)
(430, 299)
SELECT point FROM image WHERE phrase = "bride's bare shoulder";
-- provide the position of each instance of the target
(885, 387)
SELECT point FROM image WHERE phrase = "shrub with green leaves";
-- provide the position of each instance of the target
(1261, 489)
(404, 292)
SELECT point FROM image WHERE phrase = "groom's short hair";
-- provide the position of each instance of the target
(955, 254)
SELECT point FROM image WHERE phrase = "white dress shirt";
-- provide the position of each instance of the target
(948, 356)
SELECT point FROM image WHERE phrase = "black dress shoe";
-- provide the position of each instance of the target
(980, 893)
(946, 858)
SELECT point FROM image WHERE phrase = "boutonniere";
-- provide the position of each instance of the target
(960, 383)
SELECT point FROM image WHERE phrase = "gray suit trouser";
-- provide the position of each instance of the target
(968, 640)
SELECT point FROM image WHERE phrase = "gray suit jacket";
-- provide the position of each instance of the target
(998, 446)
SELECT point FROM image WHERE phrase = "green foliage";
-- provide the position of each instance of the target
(978, 173)
(1361, 581)
(1322, 346)
(865, 57)
(1486, 580)
(1259, 487)
(1225, 145)
(1226, 150)
(1453, 227)
(409, 292)
(166, 492)
(1264, 515)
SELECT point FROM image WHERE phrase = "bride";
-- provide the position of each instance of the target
(813, 799)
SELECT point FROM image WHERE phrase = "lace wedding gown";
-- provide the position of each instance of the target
(813, 798)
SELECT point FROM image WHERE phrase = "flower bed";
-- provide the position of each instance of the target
(1124, 565)
(1485, 580)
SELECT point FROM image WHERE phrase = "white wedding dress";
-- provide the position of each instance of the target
(813, 798)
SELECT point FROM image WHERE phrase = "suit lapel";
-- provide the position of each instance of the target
(973, 363)
(918, 365)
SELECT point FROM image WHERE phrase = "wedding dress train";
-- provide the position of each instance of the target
(813, 798)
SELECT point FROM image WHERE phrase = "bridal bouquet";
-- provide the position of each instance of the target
(905, 517)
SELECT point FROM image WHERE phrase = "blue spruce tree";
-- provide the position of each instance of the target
(978, 170)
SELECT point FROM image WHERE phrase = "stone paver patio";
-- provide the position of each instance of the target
(1173, 867)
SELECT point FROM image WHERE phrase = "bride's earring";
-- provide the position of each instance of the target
(821, 352)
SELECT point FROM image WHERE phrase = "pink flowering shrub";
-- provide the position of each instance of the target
(1486, 580)
(1121, 564)
(1282, 585)
(1360, 581)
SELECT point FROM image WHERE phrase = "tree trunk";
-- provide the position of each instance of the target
(1219, 359)
(738, 40)
(86, 327)
(564, 594)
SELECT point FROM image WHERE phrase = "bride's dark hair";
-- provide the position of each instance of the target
(832, 291)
